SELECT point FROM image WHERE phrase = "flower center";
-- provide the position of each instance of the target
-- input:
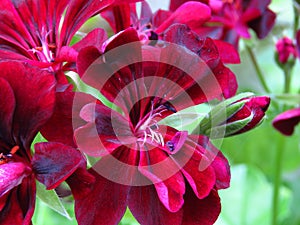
(4, 158)
(148, 129)
(46, 51)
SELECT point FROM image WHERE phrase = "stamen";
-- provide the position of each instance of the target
(5, 157)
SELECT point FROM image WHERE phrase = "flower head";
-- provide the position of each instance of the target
(149, 167)
(286, 49)
(26, 104)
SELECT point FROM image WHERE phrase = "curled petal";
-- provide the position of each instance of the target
(286, 121)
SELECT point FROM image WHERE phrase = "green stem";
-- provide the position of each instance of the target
(287, 80)
(258, 70)
(277, 178)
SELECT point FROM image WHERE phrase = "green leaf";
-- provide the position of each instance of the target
(249, 199)
(50, 198)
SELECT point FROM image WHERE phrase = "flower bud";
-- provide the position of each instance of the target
(286, 50)
(237, 117)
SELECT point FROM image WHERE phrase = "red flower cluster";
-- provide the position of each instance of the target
(152, 67)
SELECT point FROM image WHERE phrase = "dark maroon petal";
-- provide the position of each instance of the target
(77, 13)
(54, 162)
(222, 170)
(18, 205)
(118, 17)
(94, 38)
(164, 173)
(200, 212)
(286, 121)
(187, 14)
(86, 57)
(81, 181)
(11, 175)
(174, 4)
(104, 131)
(228, 52)
(105, 204)
(216, 79)
(201, 178)
(34, 91)
(146, 207)
(7, 106)
(263, 25)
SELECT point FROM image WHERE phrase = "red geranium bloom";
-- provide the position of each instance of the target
(26, 104)
(152, 26)
(232, 19)
(40, 31)
(286, 121)
(163, 175)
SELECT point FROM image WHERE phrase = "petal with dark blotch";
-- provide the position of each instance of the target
(7, 106)
(34, 91)
(200, 211)
(105, 204)
(54, 162)
(105, 131)
(86, 57)
(263, 25)
(188, 14)
(11, 175)
(81, 181)
(286, 121)
(146, 207)
(165, 175)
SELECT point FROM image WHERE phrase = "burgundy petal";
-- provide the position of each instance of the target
(146, 207)
(164, 173)
(200, 212)
(174, 4)
(7, 106)
(104, 131)
(86, 57)
(187, 14)
(286, 121)
(94, 38)
(105, 204)
(81, 181)
(54, 162)
(263, 24)
(35, 95)
(228, 52)
(11, 175)
(18, 205)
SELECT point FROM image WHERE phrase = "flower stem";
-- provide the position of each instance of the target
(277, 178)
(287, 80)
(258, 70)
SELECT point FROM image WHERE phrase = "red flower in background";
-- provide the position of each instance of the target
(26, 104)
(152, 26)
(40, 31)
(286, 121)
(286, 49)
(232, 19)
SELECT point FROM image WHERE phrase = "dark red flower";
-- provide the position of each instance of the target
(26, 104)
(40, 31)
(232, 19)
(163, 175)
(286, 49)
(152, 26)
(286, 121)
